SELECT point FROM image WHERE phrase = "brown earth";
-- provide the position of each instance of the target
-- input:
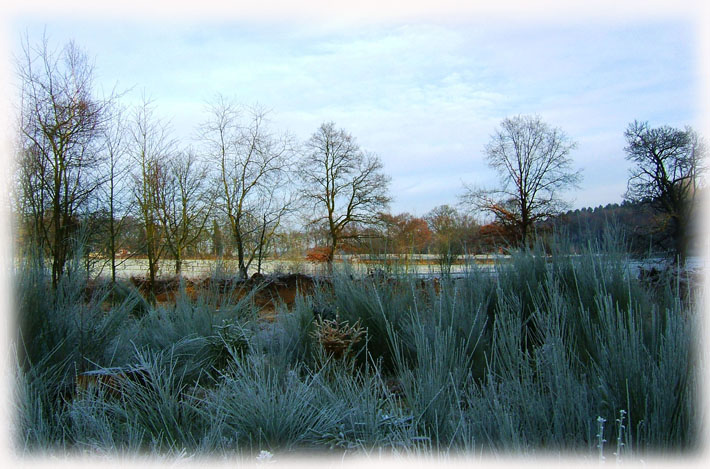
(268, 292)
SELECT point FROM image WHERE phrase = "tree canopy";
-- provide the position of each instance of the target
(533, 163)
(668, 163)
(343, 184)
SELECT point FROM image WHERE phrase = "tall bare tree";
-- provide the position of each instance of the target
(183, 203)
(343, 184)
(149, 148)
(254, 164)
(532, 160)
(667, 172)
(61, 120)
(114, 194)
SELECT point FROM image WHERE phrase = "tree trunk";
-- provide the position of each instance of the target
(57, 264)
(261, 245)
(524, 228)
(152, 263)
(240, 257)
(112, 234)
(152, 267)
(331, 254)
(680, 239)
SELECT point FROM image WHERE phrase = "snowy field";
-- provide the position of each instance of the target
(420, 265)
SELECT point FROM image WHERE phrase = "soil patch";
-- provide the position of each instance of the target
(268, 291)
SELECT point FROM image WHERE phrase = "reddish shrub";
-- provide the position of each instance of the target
(318, 254)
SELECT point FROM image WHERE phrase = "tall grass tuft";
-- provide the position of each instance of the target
(373, 419)
(67, 330)
(269, 408)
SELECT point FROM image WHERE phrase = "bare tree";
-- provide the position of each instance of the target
(453, 234)
(343, 184)
(532, 160)
(252, 177)
(61, 120)
(183, 203)
(149, 148)
(114, 197)
(669, 164)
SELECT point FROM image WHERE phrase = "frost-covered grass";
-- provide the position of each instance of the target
(526, 360)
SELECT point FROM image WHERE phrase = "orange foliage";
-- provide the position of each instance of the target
(406, 232)
(318, 254)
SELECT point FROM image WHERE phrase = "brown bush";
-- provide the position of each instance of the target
(318, 254)
(338, 339)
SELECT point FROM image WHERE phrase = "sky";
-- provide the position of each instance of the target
(421, 86)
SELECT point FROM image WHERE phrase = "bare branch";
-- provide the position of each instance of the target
(344, 184)
(532, 161)
(669, 168)
(253, 176)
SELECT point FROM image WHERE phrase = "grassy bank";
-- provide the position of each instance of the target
(565, 354)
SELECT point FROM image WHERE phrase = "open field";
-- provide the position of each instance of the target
(419, 264)
(425, 265)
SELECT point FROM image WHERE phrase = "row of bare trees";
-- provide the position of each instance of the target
(90, 171)
(60, 150)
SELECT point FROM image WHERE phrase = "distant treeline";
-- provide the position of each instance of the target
(642, 228)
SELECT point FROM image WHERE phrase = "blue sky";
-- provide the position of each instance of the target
(424, 92)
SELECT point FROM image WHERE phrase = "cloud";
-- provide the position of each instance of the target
(424, 95)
